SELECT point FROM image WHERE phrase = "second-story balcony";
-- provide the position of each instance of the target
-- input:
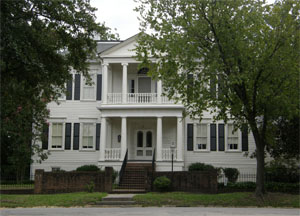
(137, 98)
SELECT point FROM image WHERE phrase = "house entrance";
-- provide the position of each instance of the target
(144, 144)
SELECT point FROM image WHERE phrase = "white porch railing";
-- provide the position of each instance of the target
(167, 154)
(165, 100)
(112, 153)
(114, 98)
(135, 98)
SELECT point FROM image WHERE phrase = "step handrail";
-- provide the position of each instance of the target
(123, 167)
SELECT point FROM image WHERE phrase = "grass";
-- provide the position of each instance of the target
(16, 186)
(63, 200)
(241, 199)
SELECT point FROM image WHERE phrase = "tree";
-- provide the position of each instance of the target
(41, 42)
(243, 57)
(286, 143)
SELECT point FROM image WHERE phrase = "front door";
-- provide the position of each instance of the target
(144, 144)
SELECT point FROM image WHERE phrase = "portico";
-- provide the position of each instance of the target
(141, 133)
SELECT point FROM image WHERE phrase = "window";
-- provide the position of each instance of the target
(88, 91)
(140, 139)
(88, 136)
(57, 135)
(149, 139)
(201, 138)
(132, 86)
(232, 138)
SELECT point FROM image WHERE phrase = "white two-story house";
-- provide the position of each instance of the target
(125, 110)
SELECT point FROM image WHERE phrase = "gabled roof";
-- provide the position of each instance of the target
(118, 46)
(104, 45)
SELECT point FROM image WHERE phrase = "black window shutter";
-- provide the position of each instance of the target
(76, 136)
(45, 136)
(190, 137)
(99, 86)
(98, 127)
(221, 137)
(68, 136)
(69, 89)
(245, 143)
(77, 87)
(213, 137)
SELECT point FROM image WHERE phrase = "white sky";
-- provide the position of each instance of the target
(119, 14)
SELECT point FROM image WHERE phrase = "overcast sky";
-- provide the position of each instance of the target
(119, 14)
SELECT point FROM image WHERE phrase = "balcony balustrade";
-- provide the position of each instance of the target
(137, 98)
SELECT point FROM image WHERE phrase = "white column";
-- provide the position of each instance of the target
(159, 139)
(104, 83)
(179, 139)
(102, 139)
(124, 83)
(123, 138)
(159, 91)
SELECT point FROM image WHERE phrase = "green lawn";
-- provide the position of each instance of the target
(16, 186)
(64, 200)
(241, 199)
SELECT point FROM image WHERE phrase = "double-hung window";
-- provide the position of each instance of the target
(57, 136)
(88, 135)
(89, 90)
(232, 138)
(201, 137)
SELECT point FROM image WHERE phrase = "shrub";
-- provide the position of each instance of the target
(93, 168)
(232, 174)
(90, 187)
(276, 171)
(270, 186)
(201, 167)
(282, 187)
(162, 183)
(115, 174)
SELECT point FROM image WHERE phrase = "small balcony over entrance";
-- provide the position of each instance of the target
(138, 98)
(125, 83)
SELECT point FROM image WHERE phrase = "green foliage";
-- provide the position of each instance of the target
(90, 187)
(162, 183)
(232, 174)
(115, 174)
(41, 42)
(88, 168)
(277, 171)
(270, 186)
(283, 187)
(201, 167)
(249, 48)
(287, 139)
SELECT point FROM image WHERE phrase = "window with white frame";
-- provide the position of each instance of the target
(57, 135)
(201, 138)
(88, 135)
(232, 138)
(89, 91)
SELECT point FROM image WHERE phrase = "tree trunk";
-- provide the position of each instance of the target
(260, 170)
(260, 160)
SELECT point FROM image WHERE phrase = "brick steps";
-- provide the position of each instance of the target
(134, 176)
